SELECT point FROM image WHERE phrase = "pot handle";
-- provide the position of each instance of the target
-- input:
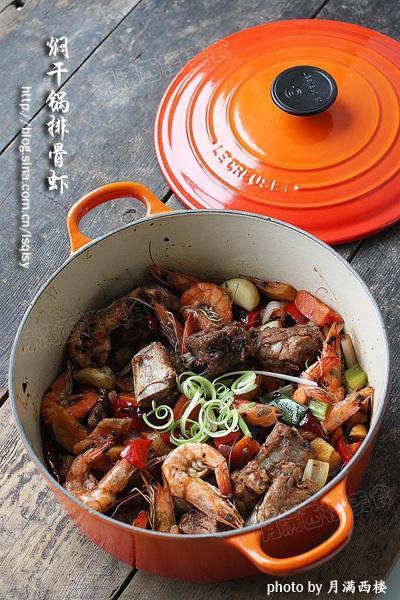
(250, 543)
(110, 191)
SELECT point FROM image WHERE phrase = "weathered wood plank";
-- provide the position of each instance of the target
(42, 554)
(23, 55)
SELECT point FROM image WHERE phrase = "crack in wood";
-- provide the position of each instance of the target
(318, 10)
(4, 398)
(120, 589)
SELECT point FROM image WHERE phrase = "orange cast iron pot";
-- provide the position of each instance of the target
(99, 271)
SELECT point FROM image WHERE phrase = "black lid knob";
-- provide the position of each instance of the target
(304, 90)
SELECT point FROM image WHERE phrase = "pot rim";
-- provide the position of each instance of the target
(223, 534)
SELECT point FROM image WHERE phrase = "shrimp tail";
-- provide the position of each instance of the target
(188, 330)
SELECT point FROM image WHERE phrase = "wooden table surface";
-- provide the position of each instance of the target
(123, 53)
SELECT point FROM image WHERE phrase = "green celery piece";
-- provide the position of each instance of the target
(318, 409)
(355, 378)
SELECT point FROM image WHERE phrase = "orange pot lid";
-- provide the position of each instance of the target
(297, 120)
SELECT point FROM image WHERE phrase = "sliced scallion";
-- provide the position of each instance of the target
(161, 413)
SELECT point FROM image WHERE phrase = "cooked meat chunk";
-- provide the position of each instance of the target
(216, 351)
(283, 446)
(194, 522)
(287, 490)
(154, 373)
(288, 350)
(249, 484)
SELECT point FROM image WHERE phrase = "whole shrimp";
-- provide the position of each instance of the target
(162, 513)
(332, 377)
(343, 410)
(59, 391)
(182, 470)
(313, 373)
(79, 479)
(105, 493)
(89, 342)
(210, 306)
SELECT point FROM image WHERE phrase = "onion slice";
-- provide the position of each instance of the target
(316, 471)
(269, 309)
(349, 354)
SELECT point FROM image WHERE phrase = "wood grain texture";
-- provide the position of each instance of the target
(24, 56)
(42, 555)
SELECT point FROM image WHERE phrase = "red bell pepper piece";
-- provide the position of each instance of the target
(315, 310)
(343, 448)
(310, 423)
(227, 440)
(291, 309)
(243, 451)
(137, 452)
(338, 433)
(125, 405)
(251, 318)
(141, 520)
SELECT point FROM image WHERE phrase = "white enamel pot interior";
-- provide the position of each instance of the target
(204, 243)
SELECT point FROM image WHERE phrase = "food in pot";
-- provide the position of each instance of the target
(193, 407)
